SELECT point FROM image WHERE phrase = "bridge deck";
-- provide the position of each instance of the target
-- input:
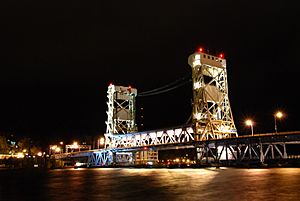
(292, 137)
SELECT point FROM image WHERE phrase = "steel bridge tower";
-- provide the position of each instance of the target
(212, 116)
(121, 110)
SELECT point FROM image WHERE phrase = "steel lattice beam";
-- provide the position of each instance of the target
(182, 134)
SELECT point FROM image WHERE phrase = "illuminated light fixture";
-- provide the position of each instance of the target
(198, 116)
(20, 155)
(221, 55)
(249, 122)
(197, 85)
(201, 49)
(145, 148)
(196, 63)
(277, 115)
(150, 163)
(129, 88)
(101, 141)
(111, 84)
(57, 149)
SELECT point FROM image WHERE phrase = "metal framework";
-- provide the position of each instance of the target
(150, 138)
(213, 132)
(244, 150)
(212, 116)
(251, 149)
(100, 158)
(121, 110)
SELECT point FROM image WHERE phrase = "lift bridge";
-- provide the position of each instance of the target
(212, 132)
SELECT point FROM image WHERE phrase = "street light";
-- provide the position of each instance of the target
(249, 122)
(278, 115)
(102, 141)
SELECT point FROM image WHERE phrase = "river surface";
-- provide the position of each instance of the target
(150, 184)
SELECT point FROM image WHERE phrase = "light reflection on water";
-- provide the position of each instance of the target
(151, 184)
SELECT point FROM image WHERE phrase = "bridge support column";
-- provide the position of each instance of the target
(272, 151)
(284, 151)
(261, 154)
(226, 147)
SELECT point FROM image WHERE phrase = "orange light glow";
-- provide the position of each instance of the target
(249, 122)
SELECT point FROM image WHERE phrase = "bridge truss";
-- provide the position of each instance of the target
(257, 149)
(175, 135)
(213, 133)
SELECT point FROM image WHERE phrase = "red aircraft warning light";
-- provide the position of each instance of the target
(200, 49)
(129, 88)
(221, 55)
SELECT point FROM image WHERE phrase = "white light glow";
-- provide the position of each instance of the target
(57, 149)
(196, 63)
(102, 141)
(198, 116)
(75, 145)
(279, 114)
(249, 122)
(20, 155)
(150, 163)
(197, 85)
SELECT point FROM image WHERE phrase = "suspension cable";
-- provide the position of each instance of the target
(165, 87)
(165, 90)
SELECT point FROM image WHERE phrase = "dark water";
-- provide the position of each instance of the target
(150, 184)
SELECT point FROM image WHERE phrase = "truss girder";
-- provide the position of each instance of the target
(244, 149)
(150, 138)
(243, 152)
(100, 158)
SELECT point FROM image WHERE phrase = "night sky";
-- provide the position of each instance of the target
(58, 57)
